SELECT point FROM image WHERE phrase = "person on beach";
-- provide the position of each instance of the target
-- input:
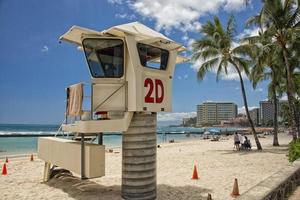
(236, 140)
(240, 138)
(247, 143)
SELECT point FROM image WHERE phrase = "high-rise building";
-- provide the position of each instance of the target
(212, 113)
(267, 110)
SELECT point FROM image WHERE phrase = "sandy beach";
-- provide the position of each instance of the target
(218, 164)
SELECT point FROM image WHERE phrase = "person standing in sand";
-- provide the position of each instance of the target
(236, 140)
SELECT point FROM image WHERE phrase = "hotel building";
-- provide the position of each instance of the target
(267, 111)
(212, 113)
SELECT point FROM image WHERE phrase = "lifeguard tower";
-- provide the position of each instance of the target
(131, 69)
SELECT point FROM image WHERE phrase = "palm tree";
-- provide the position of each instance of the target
(270, 73)
(216, 49)
(267, 66)
(281, 20)
(281, 90)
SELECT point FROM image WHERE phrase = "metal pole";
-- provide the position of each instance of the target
(100, 138)
(82, 157)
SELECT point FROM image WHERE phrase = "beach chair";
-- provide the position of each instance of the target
(215, 139)
(246, 145)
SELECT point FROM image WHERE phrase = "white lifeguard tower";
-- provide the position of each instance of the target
(131, 69)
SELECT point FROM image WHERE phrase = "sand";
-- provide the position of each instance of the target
(218, 165)
(296, 194)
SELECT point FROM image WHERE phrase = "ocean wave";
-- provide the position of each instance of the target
(27, 132)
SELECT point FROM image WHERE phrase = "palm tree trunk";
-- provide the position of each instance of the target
(297, 118)
(289, 93)
(259, 147)
(274, 85)
(275, 138)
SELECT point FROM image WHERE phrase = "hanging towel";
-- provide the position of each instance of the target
(74, 100)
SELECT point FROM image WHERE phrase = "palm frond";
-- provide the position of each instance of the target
(208, 53)
(231, 27)
(207, 66)
(251, 39)
(208, 29)
(242, 64)
(199, 45)
(222, 67)
(245, 50)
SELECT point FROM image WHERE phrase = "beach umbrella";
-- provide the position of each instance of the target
(215, 131)
(206, 133)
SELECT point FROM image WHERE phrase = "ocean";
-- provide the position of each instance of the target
(22, 139)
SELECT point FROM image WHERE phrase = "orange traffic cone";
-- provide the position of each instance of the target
(195, 173)
(209, 197)
(31, 157)
(235, 190)
(6, 160)
(4, 170)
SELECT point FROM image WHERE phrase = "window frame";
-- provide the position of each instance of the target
(99, 60)
(161, 49)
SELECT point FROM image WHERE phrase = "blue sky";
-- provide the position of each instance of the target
(35, 68)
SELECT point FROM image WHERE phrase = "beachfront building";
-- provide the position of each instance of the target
(266, 111)
(212, 113)
(254, 114)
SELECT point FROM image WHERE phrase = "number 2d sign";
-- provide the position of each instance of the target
(157, 84)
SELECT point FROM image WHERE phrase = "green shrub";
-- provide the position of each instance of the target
(294, 150)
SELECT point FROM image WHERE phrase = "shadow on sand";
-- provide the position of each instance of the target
(87, 189)
(274, 150)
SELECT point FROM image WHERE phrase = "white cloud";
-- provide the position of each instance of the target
(248, 33)
(45, 48)
(125, 16)
(234, 5)
(242, 110)
(175, 116)
(185, 37)
(190, 43)
(115, 1)
(185, 76)
(284, 98)
(182, 15)
(260, 89)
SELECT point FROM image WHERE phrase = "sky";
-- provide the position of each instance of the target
(35, 68)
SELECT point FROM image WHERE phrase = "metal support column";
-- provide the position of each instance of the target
(100, 138)
(139, 158)
(82, 157)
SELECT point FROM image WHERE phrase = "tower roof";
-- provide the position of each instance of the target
(139, 31)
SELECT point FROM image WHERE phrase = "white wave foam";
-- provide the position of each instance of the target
(27, 132)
